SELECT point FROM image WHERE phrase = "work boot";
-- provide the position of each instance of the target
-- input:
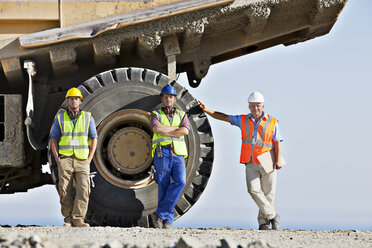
(265, 226)
(275, 222)
(80, 224)
(167, 225)
(156, 221)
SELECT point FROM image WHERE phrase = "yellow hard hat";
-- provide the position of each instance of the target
(74, 92)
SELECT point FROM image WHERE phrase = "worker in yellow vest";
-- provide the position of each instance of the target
(260, 134)
(73, 143)
(169, 150)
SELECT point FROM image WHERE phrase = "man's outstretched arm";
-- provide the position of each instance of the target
(215, 114)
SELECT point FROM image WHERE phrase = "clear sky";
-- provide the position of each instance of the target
(321, 92)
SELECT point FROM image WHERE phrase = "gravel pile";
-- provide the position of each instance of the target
(113, 237)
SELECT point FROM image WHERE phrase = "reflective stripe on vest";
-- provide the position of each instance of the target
(264, 138)
(179, 144)
(79, 132)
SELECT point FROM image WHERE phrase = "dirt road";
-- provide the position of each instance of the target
(52, 236)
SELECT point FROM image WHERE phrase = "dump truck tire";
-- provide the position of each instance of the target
(121, 101)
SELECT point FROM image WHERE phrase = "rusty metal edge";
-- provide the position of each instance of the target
(94, 28)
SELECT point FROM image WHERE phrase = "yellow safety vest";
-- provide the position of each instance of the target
(179, 144)
(74, 139)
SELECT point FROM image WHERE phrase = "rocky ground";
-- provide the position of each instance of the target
(55, 236)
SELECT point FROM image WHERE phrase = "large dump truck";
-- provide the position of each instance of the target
(120, 54)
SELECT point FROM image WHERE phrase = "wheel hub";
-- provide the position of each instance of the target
(129, 150)
(124, 149)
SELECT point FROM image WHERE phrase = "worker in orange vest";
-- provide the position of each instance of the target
(260, 134)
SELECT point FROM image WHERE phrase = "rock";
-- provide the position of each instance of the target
(34, 239)
(141, 246)
(259, 244)
(49, 244)
(113, 244)
(88, 245)
(18, 243)
(229, 243)
(188, 242)
(8, 237)
(154, 245)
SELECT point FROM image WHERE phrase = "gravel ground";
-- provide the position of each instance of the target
(56, 236)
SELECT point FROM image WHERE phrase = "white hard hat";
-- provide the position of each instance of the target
(256, 97)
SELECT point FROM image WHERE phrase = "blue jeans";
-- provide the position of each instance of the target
(168, 193)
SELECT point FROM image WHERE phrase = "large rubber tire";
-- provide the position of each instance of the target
(136, 88)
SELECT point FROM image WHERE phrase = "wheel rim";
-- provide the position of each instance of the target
(125, 168)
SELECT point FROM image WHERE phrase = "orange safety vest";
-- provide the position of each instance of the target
(264, 140)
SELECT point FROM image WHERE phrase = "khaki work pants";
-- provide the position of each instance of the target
(74, 201)
(261, 186)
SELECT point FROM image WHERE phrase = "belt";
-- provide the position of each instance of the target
(72, 156)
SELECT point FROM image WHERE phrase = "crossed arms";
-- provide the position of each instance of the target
(170, 131)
